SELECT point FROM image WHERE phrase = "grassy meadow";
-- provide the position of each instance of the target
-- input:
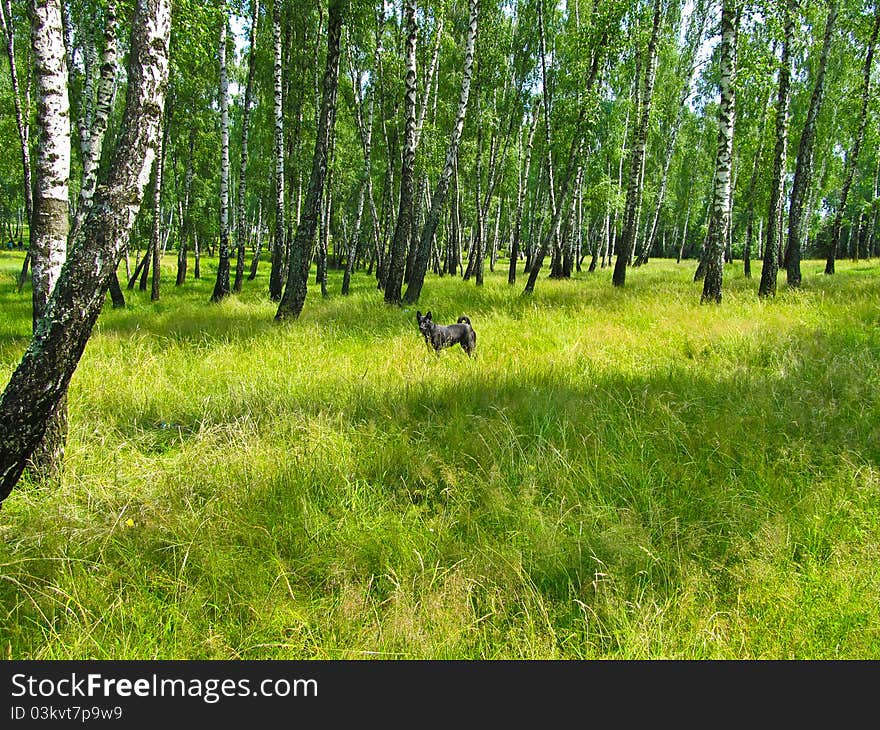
(620, 474)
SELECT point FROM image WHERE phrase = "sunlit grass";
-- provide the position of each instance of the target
(617, 474)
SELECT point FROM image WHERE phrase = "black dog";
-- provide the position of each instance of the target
(439, 336)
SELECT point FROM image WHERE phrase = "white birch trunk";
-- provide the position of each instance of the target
(50, 223)
(712, 281)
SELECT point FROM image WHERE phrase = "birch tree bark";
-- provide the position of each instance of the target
(49, 223)
(98, 127)
(185, 213)
(803, 171)
(156, 231)
(20, 119)
(520, 201)
(694, 35)
(774, 234)
(712, 281)
(441, 190)
(40, 381)
(221, 286)
(634, 188)
(403, 225)
(240, 231)
(294, 296)
(278, 248)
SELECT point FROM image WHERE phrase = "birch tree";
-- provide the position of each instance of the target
(39, 383)
(712, 282)
(279, 256)
(780, 153)
(438, 199)
(241, 229)
(50, 223)
(221, 287)
(803, 165)
(637, 156)
(852, 157)
(403, 225)
(301, 249)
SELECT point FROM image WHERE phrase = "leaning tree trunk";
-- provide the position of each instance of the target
(240, 232)
(50, 223)
(853, 156)
(294, 296)
(637, 157)
(221, 286)
(403, 225)
(774, 234)
(438, 200)
(276, 273)
(721, 194)
(802, 171)
(40, 381)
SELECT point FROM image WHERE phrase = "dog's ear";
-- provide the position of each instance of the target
(418, 315)
(428, 315)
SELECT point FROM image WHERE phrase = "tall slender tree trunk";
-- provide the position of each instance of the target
(803, 172)
(156, 233)
(258, 243)
(294, 296)
(403, 225)
(365, 127)
(751, 193)
(221, 286)
(520, 201)
(684, 229)
(98, 126)
(327, 210)
(40, 381)
(240, 232)
(574, 158)
(441, 190)
(21, 121)
(185, 213)
(875, 212)
(637, 156)
(712, 282)
(773, 245)
(278, 248)
(853, 155)
(694, 36)
(50, 223)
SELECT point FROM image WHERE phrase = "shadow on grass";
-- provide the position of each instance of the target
(574, 484)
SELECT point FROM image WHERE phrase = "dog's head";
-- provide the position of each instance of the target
(425, 323)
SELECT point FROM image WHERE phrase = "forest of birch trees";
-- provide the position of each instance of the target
(401, 140)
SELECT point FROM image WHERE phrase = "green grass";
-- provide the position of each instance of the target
(618, 474)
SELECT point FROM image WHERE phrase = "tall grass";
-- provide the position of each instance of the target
(617, 474)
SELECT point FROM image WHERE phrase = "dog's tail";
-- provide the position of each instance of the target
(464, 320)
